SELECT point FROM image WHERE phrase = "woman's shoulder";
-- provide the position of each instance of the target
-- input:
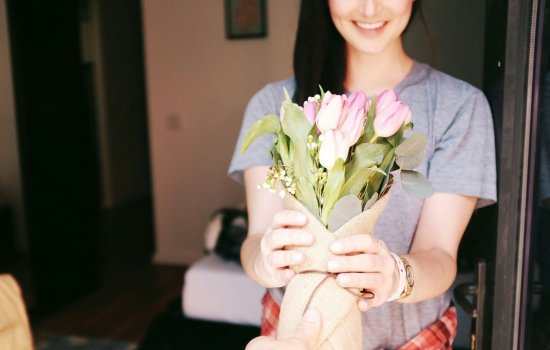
(273, 92)
(447, 85)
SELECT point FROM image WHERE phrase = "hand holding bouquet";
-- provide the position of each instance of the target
(337, 156)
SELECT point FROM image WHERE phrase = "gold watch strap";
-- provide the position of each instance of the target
(409, 279)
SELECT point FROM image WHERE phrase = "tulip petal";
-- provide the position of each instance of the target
(329, 115)
(342, 148)
(386, 98)
(310, 111)
(327, 152)
(388, 123)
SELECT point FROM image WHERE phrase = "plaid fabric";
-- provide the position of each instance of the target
(438, 336)
(270, 315)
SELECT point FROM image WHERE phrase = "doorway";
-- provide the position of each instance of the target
(82, 136)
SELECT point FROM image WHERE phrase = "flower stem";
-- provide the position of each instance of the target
(373, 140)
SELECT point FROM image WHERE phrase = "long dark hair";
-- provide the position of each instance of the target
(319, 51)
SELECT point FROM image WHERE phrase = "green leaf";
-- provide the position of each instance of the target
(269, 124)
(306, 195)
(412, 146)
(377, 180)
(344, 210)
(365, 156)
(357, 181)
(416, 184)
(331, 193)
(287, 96)
(369, 123)
(410, 162)
(297, 127)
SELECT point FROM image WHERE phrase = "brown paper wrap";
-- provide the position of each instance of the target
(341, 317)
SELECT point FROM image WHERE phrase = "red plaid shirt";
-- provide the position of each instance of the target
(438, 336)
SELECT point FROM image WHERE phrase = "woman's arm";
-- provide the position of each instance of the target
(262, 254)
(432, 255)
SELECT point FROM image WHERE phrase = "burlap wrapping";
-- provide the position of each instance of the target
(340, 315)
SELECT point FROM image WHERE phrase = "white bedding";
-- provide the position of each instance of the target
(219, 290)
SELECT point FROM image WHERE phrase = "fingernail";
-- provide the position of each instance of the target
(336, 247)
(311, 315)
(301, 218)
(343, 279)
(289, 274)
(332, 265)
(297, 257)
(307, 239)
(363, 305)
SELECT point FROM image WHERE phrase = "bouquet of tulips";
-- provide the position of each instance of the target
(337, 156)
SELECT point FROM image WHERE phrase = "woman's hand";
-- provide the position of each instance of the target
(371, 267)
(273, 261)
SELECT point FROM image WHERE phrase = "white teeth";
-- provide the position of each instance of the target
(365, 25)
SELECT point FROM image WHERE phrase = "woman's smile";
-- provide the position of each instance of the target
(370, 25)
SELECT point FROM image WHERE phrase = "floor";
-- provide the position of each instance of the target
(123, 310)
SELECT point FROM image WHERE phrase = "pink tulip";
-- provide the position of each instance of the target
(358, 100)
(386, 98)
(310, 111)
(330, 112)
(391, 119)
(352, 123)
(333, 146)
(353, 126)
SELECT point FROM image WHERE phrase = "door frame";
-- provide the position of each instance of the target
(513, 173)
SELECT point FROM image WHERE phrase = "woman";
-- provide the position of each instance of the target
(352, 45)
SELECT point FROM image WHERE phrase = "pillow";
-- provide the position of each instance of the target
(226, 232)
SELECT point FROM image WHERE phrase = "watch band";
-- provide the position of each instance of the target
(401, 284)
(409, 279)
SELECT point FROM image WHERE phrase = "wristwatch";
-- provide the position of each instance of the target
(409, 279)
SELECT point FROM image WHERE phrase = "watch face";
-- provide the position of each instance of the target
(409, 275)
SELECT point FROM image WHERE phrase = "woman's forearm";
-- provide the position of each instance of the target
(434, 272)
(250, 252)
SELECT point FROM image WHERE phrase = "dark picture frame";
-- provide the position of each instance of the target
(245, 19)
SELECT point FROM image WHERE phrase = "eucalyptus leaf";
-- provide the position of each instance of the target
(331, 193)
(409, 162)
(412, 146)
(344, 210)
(416, 184)
(371, 201)
(269, 124)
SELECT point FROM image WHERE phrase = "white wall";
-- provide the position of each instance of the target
(198, 84)
(10, 182)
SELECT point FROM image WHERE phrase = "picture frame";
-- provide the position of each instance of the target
(245, 19)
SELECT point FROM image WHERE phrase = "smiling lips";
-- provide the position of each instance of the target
(370, 26)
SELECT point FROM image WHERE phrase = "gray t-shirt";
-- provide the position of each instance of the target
(460, 158)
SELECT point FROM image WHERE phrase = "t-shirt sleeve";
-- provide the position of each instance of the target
(258, 153)
(463, 161)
